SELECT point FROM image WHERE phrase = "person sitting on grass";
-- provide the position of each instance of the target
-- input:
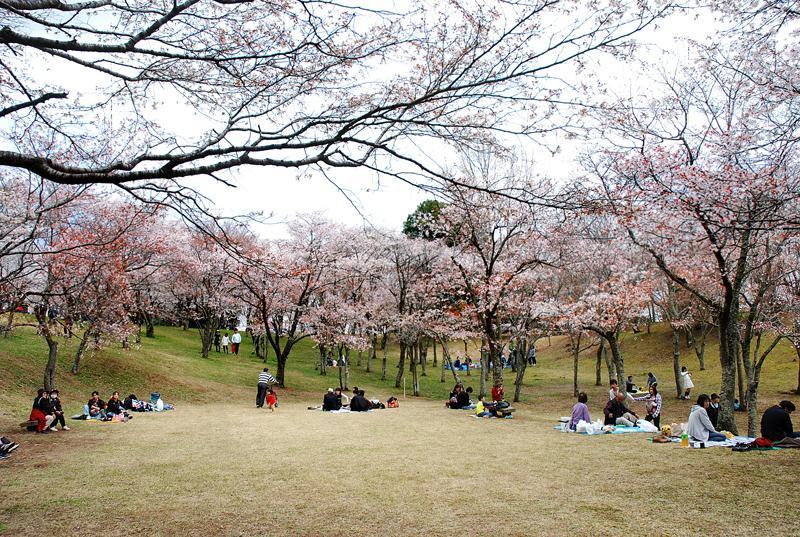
(359, 403)
(484, 410)
(58, 412)
(272, 400)
(699, 426)
(653, 405)
(612, 393)
(97, 407)
(630, 386)
(332, 400)
(776, 423)
(114, 406)
(617, 413)
(713, 410)
(498, 393)
(392, 402)
(40, 412)
(458, 398)
(579, 412)
(651, 380)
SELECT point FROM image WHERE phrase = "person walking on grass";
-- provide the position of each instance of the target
(225, 342)
(686, 381)
(236, 339)
(265, 380)
(217, 338)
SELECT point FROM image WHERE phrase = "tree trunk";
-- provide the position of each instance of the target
(347, 368)
(9, 322)
(740, 378)
(616, 356)
(385, 348)
(484, 368)
(423, 356)
(728, 353)
(522, 363)
(676, 360)
(612, 373)
(435, 361)
(371, 353)
(149, 328)
(81, 348)
(601, 350)
(447, 362)
(358, 361)
(415, 349)
(323, 362)
(576, 349)
(797, 351)
(400, 366)
(281, 361)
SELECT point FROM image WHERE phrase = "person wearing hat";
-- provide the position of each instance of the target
(332, 400)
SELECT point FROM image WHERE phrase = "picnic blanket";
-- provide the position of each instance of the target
(619, 429)
(725, 443)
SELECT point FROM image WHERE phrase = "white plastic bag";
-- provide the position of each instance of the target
(646, 426)
(159, 405)
(581, 426)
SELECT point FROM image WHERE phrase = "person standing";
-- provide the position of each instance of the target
(264, 382)
(236, 339)
(225, 342)
(217, 338)
(532, 355)
(272, 399)
(687, 382)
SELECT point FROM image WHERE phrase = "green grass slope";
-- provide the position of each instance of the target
(171, 364)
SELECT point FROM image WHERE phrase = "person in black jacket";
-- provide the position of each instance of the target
(114, 405)
(58, 412)
(776, 424)
(359, 403)
(713, 410)
(332, 400)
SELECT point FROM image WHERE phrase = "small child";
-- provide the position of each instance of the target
(272, 400)
(480, 409)
(392, 402)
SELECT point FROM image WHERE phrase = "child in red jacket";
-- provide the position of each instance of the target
(272, 400)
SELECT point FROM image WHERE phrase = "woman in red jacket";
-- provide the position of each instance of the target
(41, 411)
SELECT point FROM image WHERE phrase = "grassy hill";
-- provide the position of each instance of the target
(171, 364)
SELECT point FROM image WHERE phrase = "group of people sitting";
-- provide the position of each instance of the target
(616, 411)
(106, 411)
(460, 399)
(335, 400)
(47, 412)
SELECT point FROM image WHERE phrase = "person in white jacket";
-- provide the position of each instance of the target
(699, 426)
(687, 382)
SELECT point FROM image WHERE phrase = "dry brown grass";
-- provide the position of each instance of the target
(418, 470)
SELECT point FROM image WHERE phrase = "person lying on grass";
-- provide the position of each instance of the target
(617, 413)
(579, 412)
(699, 426)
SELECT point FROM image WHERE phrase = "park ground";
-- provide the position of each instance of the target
(218, 466)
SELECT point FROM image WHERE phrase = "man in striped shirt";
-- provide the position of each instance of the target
(264, 382)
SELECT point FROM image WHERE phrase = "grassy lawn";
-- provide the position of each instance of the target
(218, 466)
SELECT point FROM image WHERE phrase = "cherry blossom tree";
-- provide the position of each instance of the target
(287, 84)
(703, 180)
